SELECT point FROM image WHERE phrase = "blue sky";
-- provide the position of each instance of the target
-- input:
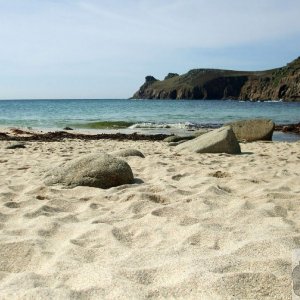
(104, 49)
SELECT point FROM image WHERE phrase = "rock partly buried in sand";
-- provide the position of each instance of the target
(201, 131)
(172, 144)
(177, 138)
(16, 145)
(220, 140)
(253, 130)
(95, 170)
(128, 152)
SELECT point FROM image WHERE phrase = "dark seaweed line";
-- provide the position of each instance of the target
(59, 136)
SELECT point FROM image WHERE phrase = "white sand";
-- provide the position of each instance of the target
(202, 226)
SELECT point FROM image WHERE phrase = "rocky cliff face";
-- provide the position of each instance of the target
(281, 83)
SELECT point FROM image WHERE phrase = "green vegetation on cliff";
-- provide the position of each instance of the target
(281, 83)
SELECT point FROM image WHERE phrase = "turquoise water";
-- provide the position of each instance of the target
(162, 113)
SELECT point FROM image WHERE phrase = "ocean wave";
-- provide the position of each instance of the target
(104, 125)
(185, 125)
(141, 125)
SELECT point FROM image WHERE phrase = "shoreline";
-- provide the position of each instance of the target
(282, 132)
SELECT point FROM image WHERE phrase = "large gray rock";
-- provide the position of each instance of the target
(253, 130)
(220, 140)
(96, 170)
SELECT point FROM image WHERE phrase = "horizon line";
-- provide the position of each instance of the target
(46, 99)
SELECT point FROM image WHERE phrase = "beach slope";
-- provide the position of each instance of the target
(196, 226)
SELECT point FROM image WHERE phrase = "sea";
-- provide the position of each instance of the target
(143, 116)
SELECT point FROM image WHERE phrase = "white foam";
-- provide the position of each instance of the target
(152, 125)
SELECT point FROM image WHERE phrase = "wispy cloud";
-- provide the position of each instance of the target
(200, 23)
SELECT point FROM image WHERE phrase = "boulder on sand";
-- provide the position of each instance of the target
(128, 152)
(253, 130)
(95, 170)
(220, 140)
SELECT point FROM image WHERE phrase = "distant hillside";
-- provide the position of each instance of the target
(281, 83)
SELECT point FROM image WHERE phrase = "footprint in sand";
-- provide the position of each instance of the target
(277, 211)
(16, 188)
(78, 242)
(45, 210)
(3, 217)
(241, 285)
(17, 255)
(122, 235)
(140, 207)
(94, 206)
(143, 276)
(90, 239)
(8, 196)
(178, 177)
(219, 190)
(85, 199)
(104, 221)
(188, 221)
(154, 198)
(220, 174)
(12, 204)
(49, 230)
(194, 239)
(165, 212)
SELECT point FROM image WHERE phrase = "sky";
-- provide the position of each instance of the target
(52, 49)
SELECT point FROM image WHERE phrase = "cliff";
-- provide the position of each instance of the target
(281, 83)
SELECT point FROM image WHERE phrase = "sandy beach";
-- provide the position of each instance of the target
(198, 226)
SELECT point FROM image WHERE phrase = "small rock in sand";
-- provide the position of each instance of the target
(128, 152)
(16, 145)
(176, 138)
